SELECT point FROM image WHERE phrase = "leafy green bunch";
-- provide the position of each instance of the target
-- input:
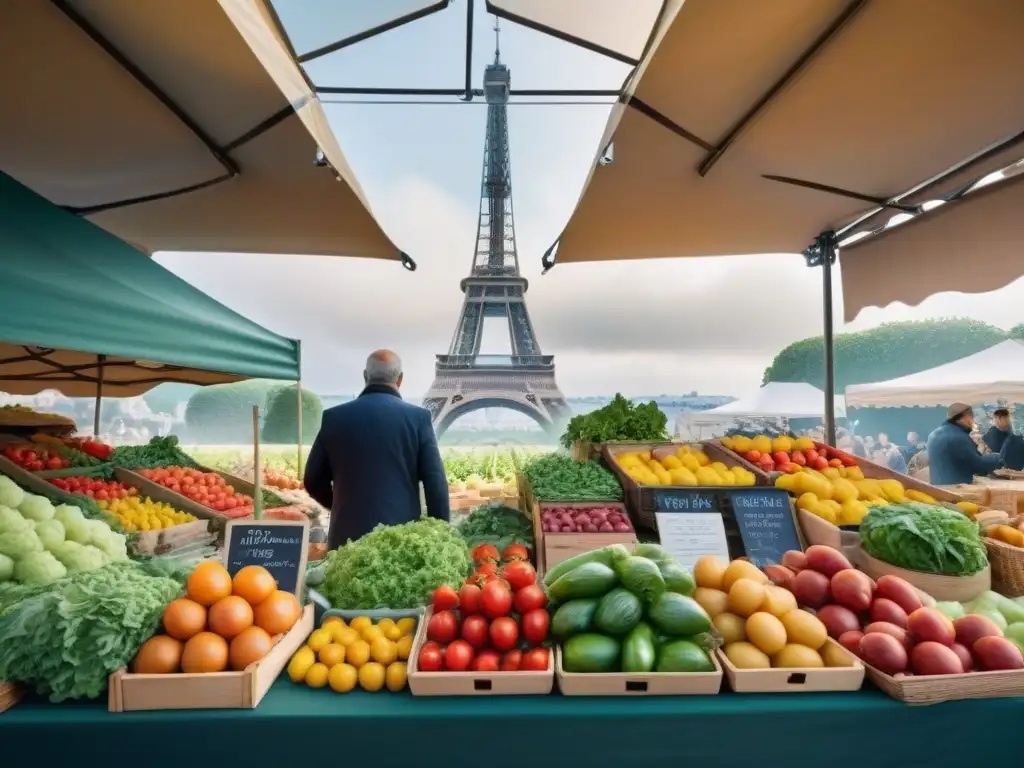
(924, 537)
(554, 477)
(619, 420)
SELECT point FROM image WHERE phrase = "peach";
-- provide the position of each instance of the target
(811, 588)
(969, 629)
(900, 592)
(826, 560)
(883, 652)
(929, 624)
(930, 658)
(884, 609)
(995, 653)
(838, 620)
(853, 589)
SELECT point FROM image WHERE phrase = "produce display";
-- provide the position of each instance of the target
(924, 537)
(619, 420)
(396, 566)
(554, 477)
(498, 525)
(65, 638)
(489, 563)
(206, 488)
(500, 625)
(473, 470)
(87, 445)
(1004, 612)
(36, 458)
(782, 453)
(364, 653)
(283, 479)
(219, 624)
(94, 487)
(1008, 534)
(159, 452)
(143, 514)
(40, 543)
(579, 519)
(623, 612)
(688, 466)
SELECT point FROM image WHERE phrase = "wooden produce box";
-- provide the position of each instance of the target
(638, 683)
(10, 694)
(959, 589)
(557, 547)
(474, 683)
(936, 689)
(641, 499)
(814, 680)
(874, 471)
(214, 690)
(158, 492)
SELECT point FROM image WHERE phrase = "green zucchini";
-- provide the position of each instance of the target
(591, 653)
(587, 580)
(575, 617)
(678, 615)
(638, 650)
(642, 577)
(683, 656)
(606, 555)
(618, 612)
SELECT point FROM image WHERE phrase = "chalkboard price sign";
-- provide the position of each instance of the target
(280, 546)
(676, 500)
(765, 519)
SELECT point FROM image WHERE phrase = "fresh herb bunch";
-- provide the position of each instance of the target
(496, 524)
(619, 420)
(924, 537)
(159, 452)
(397, 566)
(554, 477)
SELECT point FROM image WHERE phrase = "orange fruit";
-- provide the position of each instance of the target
(254, 584)
(208, 583)
(249, 645)
(229, 616)
(160, 655)
(278, 613)
(206, 652)
(184, 618)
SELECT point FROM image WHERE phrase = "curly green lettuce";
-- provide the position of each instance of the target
(396, 566)
(924, 537)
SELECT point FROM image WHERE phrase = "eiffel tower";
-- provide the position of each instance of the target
(466, 380)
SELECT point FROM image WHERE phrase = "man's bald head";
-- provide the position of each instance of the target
(383, 367)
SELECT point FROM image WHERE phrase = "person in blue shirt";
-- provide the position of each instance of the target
(953, 457)
(1001, 439)
(370, 456)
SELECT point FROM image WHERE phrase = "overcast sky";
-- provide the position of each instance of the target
(665, 326)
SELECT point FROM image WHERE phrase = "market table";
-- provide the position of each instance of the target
(295, 725)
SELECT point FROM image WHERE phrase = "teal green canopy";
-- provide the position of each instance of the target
(78, 305)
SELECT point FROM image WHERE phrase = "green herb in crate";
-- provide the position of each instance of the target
(619, 420)
(557, 477)
(159, 452)
(496, 524)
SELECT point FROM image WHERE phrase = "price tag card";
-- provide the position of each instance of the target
(765, 519)
(680, 500)
(280, 546)
(688, 536)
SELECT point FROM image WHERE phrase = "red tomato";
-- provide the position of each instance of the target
(530, 598)
(535, 660)
(443, 627)
(535, 626)
(53, 463)
(488, 568)
(469, 599)
(811, 454)
(515, 552)
(486, 661)
(30, 456)
(519, 574)
(510, 661)
(799, 458)
(496, 599)
(504, 633)
(474, 631)
(458, 656)
(430, 659)
(445, 598)
(102, 495)
(484, 552)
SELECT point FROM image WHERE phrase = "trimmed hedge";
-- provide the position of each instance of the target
(221, 414)
(280, 423)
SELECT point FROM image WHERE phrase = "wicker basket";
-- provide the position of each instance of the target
(1007, 563)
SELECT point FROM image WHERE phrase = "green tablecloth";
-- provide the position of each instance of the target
(295, 726)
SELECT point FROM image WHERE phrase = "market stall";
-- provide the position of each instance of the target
(776, 400)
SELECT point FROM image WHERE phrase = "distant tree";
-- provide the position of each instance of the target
(1017, 332)
(222, 413)
(165, 398)
(885, 352)
(281, 424)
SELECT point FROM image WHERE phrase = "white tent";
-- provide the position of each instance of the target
(790, 400)
(996, 373)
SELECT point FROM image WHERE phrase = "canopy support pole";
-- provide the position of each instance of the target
(100, 359)
(298, 386)
(823, 254)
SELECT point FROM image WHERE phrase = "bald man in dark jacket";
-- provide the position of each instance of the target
(371, 455)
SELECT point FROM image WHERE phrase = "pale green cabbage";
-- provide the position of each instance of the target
(11, 494)
(50, 532)
(39, 568)
(36, 508)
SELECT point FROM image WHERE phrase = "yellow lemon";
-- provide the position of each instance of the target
(407, 625)
(319, 639)
(395, 676)
(316, 675)
(332, 654)
(359, 623)
(385, 623)
(392, 633)
(328, 620)
(303, 659)
(404, 647)
(371, 633)
(358, 653)
(371, 676)
(345, 636)
(383, 650)
(342, 678)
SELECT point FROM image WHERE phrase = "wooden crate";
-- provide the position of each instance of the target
(955, 588)
(640, 499)
(935, 689)
(561, 546)
(638, 683)
(10, 694)
(215, 690)
(474, 683)
(157, 492)
(812, 680)
(874, 471)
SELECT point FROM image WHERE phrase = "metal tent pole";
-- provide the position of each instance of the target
(100, 359)
(823, 254)
(298, 387)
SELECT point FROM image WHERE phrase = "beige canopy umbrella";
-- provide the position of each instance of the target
(182, 125)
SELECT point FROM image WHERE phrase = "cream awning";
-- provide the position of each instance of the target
(181, 125)
(854, 102)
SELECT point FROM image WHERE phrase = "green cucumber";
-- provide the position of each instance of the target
(606, 555)
(683, 656)
(573, 618)
(618, 612)
(587, 580)
(591, 653)
(652, 551)
(642, 577)
(638, 651)
(678, 615)
(677, 578)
